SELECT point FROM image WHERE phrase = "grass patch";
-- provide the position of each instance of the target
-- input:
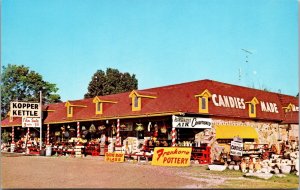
(233, 179)
(289, 182)
(226, 173)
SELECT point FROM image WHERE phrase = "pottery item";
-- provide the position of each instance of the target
(264, 170)
(230, 167)
(297, 165)
(243, 165)
(257, 166)
(236, 167)
(214, 167)
(285, 169)
(251, 166)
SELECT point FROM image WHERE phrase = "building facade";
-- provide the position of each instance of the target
(201, 112)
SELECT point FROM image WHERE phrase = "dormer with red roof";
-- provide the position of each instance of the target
(136, 98)
(11, 119)
(99, 104)
(290, 107)
(203, 101)
(70, 107)
(252, 107)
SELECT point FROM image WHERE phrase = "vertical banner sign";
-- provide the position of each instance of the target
(171, 156)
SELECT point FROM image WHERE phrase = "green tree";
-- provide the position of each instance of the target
(20, 83)
(110, 82)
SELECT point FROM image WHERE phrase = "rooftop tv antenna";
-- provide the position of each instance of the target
(240, 75)
(247, 52)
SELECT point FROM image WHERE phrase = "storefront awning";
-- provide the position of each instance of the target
(228, 132)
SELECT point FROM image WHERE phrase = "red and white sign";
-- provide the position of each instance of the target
(236, 148)
(31, 122)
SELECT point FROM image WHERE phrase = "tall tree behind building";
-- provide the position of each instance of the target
(111, 82)
(20, 83)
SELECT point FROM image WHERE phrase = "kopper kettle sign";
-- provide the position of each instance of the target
(25, 109)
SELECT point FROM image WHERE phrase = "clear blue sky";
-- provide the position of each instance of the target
(162, 42)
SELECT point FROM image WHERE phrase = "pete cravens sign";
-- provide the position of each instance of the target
(171, 156)
(24, 109)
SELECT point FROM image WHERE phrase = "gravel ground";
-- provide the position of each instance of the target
(94, 172)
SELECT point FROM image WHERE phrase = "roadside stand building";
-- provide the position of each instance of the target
(205, 115)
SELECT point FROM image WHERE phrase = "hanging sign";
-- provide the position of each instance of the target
(24, 109)
(191, 122)
(126, 126)
(171, 156)
(31, 122)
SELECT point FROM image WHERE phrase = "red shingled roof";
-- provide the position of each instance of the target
(291, 116)
(169, 99)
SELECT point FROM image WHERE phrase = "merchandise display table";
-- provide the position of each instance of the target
(33, 150)
(139, 155)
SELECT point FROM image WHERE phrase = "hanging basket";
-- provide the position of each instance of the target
(163, 129)
(101, 128)
(139, 127)
(92, 128)
(66, 134)
(71, 129)
(57, 133)
(85, 132)
(113, 129)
